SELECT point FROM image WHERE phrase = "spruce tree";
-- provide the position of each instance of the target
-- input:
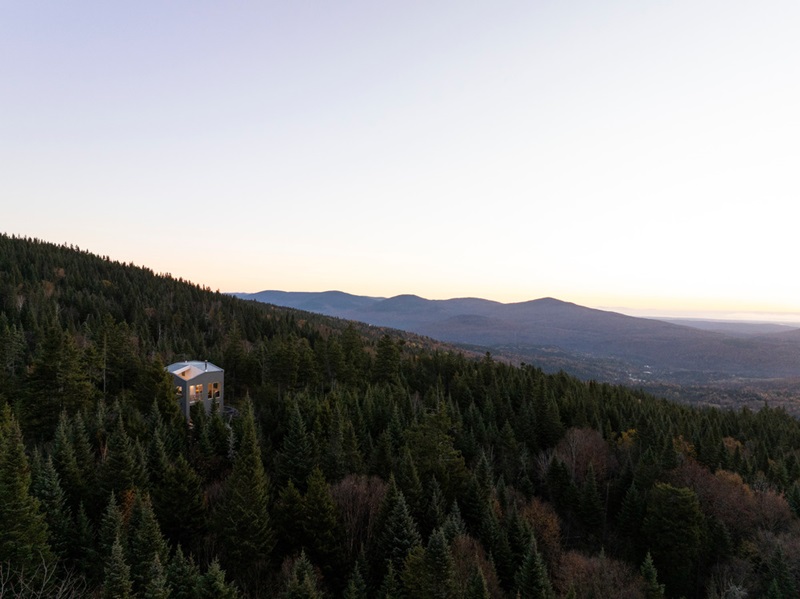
(652, 588)
(532, 579)
(145, 542)
(476, 586)
(179, 502)
(390, 586)
(119, 472)
(214, 586)
(440, 567)
(243, 522)
(117, 580)
(23, 541)
(399, 535)
(111, 527)
(156, 586)
(183, 576)
(46, 487)
(356, 587)
(323, 529)
(66, 462)
(590, 504)
(302, 582)
(297, 453)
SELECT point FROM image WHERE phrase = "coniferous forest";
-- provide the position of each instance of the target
(363, 463)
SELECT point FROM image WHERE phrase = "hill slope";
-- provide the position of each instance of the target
(646, 348)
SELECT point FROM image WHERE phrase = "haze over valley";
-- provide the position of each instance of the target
(714, 362)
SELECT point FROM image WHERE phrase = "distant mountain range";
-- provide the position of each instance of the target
(584, 341)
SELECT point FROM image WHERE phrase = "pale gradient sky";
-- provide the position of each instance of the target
(640, 155)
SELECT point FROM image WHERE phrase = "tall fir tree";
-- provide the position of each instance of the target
(23, 541)
(242, 517)
(145, 542)
(117, 579)
(533, 582)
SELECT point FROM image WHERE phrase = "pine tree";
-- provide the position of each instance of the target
(119, 472)
(435, 509)
(145, 542)
(590, 505)
(297, 454)
(674, 528)
(243, 522)
(440, 567)
(476, 586)
(111, 527)
(399, 535)
(46, 487)
(117, 581)
(408, 481)
(289, 514)
(356, 587)
(156, 586)
(66, 462)
(179, 502)
(533, 581)
(23, 541)
(183, 576)
(302, 581)
(323, 529)
(214, 586)
(454, 524)
(390, 586)
(652, 589)
(82, 552)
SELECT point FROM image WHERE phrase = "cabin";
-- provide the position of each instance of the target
(198, 381)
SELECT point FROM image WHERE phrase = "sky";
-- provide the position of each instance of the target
(633, 155)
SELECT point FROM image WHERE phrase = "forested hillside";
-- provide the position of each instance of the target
(363, 463)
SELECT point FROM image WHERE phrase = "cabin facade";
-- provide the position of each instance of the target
(198, 381)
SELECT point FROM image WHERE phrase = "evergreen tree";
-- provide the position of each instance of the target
(183, 576)
(590, 506)
(652, 589)
(302, 581)
(390, 586)
(440, 567)
(476, 586)
(156, 586)
(533, 581)
(435, 510)
(674, 528)
(145, 542)
(289, 516)
(82, 553)
(111, 527)
(399, 534)
(179, 502)
(214, 586)
(297, 454)
(323, 529)
(454, 524)
(243, 521)
(23, 541)
(117, 582)
(121, 470)
(46, 488)
(356, 587)
(408, 480)
(66, 462)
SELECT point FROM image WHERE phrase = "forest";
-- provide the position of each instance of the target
(364, 462)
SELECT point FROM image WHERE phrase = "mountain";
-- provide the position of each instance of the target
(636, 349)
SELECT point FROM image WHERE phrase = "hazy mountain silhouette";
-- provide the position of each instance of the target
(572, 336)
